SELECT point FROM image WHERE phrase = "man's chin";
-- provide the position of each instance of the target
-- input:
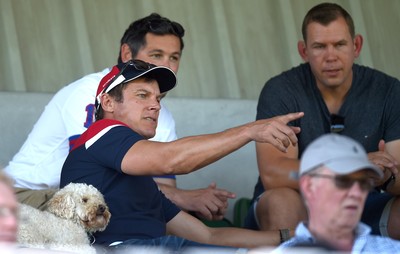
(149, 134)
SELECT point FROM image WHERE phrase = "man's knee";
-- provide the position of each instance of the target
(278, 208)
(35, 198)
(279, 198)
(393, 224)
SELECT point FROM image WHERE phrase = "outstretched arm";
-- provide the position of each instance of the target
(191, 153)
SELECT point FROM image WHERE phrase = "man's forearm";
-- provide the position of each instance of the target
(191, 153)
(277, 169)
(172, 193)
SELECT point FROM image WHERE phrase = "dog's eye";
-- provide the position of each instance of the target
(84, 200)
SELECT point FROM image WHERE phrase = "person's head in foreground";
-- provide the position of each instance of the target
(335, 178)
(8, 211)
(131, 93)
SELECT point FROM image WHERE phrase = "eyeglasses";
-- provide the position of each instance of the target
(346, 182)
(140, 65)
(337, 123)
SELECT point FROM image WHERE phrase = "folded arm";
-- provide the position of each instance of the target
(275, 166)
(388, 159)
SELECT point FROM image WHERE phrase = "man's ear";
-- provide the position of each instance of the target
(306, 186)
(301, 48)
(126, 53)
(358, 43)
(107, 103)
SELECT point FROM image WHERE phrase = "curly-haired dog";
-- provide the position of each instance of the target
(72, 213)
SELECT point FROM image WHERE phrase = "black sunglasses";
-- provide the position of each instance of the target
(137, 64)
(345, 182)
(337, 123)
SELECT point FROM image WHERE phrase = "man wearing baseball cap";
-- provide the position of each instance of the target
(335, 178)
(36, 168)
(133, 69)
(115, 156)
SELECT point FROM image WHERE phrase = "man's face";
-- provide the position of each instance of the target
(331, 52)
(164, 50)
(8, 215)
(332, 207)
(140, 106)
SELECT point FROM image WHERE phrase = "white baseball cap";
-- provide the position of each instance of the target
(341, 154)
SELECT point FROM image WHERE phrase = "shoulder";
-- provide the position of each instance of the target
(85, 83)
(363, 72)
(290, 79)
(103, 126)
(366, 242)
(298, 72)
(97, 130)
(289, 86)
(381, 244)
(82, 90)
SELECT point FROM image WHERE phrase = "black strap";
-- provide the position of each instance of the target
(284, 234)
(384, 186)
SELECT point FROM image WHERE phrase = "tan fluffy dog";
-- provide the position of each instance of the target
(72, 213)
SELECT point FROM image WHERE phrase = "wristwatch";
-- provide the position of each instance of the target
(385, 185)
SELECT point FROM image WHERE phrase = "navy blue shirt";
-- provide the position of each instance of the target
(370, 112)
(139, 210)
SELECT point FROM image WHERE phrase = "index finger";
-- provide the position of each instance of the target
(291, 117)
(224, 194)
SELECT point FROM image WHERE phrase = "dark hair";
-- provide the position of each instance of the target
(116, 93)
(135, 35)
(324, 14)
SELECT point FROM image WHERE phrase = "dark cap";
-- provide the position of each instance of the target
(133, 69)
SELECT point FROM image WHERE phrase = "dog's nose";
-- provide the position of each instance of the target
(101, 209)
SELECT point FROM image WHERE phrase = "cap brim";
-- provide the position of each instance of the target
(165, 77)
(350, 165)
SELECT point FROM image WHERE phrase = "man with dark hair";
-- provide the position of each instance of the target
(37, 166)
(339, 96)
(115, 156)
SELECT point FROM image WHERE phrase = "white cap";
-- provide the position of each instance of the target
(339, 153)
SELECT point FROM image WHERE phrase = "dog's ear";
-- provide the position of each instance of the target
(62, 205)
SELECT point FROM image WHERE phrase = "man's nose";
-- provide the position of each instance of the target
(8, 218)
(331, 53)
(155, 105)
(357, 190)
